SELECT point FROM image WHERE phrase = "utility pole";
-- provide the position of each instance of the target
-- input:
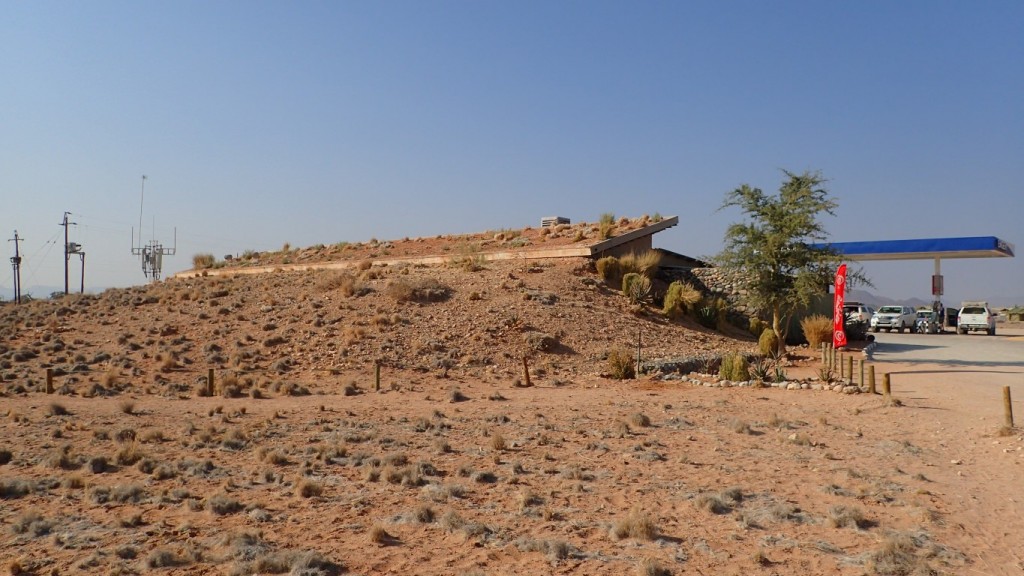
(69, 249)
(16, 263)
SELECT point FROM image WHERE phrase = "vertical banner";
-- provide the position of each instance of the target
(838, 334)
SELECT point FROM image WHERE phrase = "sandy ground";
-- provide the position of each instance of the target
(599, 477)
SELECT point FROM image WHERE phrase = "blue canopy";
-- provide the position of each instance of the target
(924, 248)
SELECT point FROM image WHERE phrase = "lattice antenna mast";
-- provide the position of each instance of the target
(16, 263)
(152, 254)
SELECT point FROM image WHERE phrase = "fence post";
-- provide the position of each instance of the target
(871, 380)
(209, 383)
(849, 369)
(1007, 407)
(526, 372)
(824, 354)
(886, 385)
(842, 367)
(376, 375)
(49, 380)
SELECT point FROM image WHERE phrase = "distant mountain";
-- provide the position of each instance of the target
(875, 301)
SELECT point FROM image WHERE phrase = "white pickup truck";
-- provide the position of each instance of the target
(976, 316)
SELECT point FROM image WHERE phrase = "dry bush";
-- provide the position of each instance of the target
(846, 517)
(621, 364)
(498, 442)
(57, 409)
(309, 488)
(202, 261)
(640, 420)
(423, 290)
(680, 298)
(651, 567)
(222, 504)
(768, 342)
(637, 525)
(343, 282)
(378, 535)
(609, 269)
(127, 407)
(646, 263)
(817, 329)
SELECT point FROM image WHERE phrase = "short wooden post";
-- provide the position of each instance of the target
(849, 369)
(842, 367)
(824, 354)
(49, 380)
(376, 375)
(871, 379)
(886, 385)
(860, 363)
(832, 357)
(1007, 407)
(210, 385)
(526, 373)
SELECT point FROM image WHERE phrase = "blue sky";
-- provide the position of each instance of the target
(260, 123)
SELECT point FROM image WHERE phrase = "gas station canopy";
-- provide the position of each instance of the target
(924, 249)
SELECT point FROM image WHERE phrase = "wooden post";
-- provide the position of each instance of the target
(871, 379)
(49, 380)
(886, 385)
(842, 368)
(833, 361)
(638, 333)
(860, 363)
(376, 375)
(849, 369)
(209, 383)
(1007, 407)
(824, 354)
(526, 373)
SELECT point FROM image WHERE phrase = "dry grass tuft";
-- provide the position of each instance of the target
(817, 329)
(637, 525)
(378, 535)
(308, 488)
(846, 517)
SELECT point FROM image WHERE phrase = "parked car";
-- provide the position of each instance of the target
(890, 318)
(976, 316)
(927, 322)
(857, 312)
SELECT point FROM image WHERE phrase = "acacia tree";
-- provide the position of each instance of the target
(773, 252)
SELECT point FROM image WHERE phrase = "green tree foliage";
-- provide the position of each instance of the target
(772, 249)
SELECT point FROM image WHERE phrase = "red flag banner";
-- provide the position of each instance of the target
(838, 334)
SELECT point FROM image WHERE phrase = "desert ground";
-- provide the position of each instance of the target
(299, 463)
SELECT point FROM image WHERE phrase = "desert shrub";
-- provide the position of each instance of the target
(706, 314)
(606, 225)
(425, 290)
(343, 282)
(646, 263)
(609, 269)
(817, 329)
(681, 296)
(620, 364)
(735, 368)
(637, 525)
(202, 261)
(757, 326)
(636, 287)
(309, 488)
(768, 343)
(222, 504)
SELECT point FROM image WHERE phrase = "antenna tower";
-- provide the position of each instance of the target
(16, 263)
(152, 254)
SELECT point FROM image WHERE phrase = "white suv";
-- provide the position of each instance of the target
(889, 318)
(857, 312)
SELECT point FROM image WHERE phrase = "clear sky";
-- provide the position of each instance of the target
(260, 123)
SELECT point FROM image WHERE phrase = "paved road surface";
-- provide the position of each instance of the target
(977, 349)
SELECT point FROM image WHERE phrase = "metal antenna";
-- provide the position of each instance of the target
(152, 254)
(16, 263)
